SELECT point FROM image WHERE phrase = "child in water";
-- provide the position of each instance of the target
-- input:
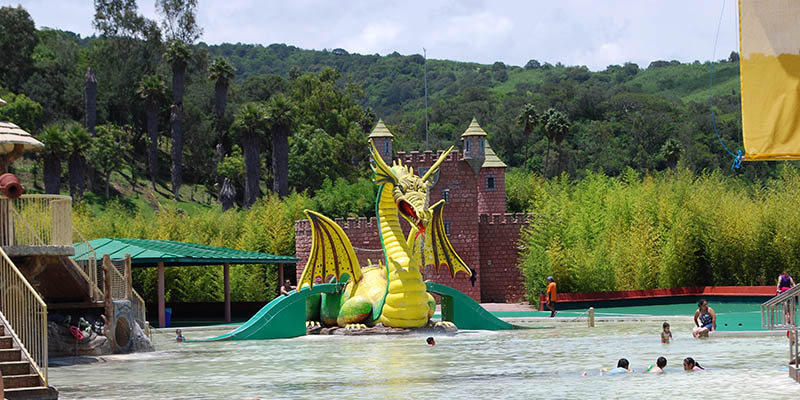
(659, 367)
(622, 367)
(666, 334)
(179, 335)
(431, 341)
(689, 364)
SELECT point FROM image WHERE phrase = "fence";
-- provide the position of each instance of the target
(25, 313)
(36, 220)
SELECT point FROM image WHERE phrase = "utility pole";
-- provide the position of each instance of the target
(425, 75)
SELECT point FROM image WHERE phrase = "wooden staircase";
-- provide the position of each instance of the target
(19, 378)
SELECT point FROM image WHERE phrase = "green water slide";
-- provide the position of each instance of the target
(464, 312)
(283, 317)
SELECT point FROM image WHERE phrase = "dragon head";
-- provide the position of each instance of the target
(410, 191)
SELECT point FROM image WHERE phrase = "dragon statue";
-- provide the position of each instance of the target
(391, 292)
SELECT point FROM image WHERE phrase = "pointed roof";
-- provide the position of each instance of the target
(473, 129)
(380, 131)
(11, 134)
(492, 160)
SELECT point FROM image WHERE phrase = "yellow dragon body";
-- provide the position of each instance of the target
(391, 293)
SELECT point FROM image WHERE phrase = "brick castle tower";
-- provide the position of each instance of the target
(472, 183)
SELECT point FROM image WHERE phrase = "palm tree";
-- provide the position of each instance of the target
(55, 146)
(152, 89)
(280, 117)
(528, 118)
(178, 54)
(78, 140)
(222, 72)
(556, 126)
(251, 121)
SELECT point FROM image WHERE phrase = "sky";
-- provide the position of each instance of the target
(573, 32)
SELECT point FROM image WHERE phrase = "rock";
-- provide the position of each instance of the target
(139, 341)
(61, 343)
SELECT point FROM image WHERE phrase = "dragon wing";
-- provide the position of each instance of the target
(331, 252)
(434, 247)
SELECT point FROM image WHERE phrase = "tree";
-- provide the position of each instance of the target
(221, 71)
(178, 54)
(251, 122)
(17, 41)
(179, 19)
(22, 111)
(280, 117)
(90, 92)
(56, 144)
(528, 119)
(106, 151)
(671, 152)
(79, 141)
(151, 89)
(555, 126)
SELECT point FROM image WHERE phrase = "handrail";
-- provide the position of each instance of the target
(36, 220)
(781, 311)
(26, 314)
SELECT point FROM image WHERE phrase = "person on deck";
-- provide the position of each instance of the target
(287, 287)
(705, 320)
(551, 296)
(785, 282)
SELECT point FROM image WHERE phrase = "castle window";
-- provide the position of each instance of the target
(483, 146)
(447, 228)
(446, 196)
(466, 146)
(386, 150)
(490, 183)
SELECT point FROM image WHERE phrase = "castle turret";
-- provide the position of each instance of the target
(382, 139)
(473, 142)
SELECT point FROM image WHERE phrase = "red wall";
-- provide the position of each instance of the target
(499, 248)
(492, 201)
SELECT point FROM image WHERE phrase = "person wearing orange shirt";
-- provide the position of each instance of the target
(551, 296)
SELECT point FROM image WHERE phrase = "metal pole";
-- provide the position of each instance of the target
(227, 277)
(162, 319)
(591, 317)
(425, 75)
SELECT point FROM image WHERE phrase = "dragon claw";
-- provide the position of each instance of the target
(354, 327)
(313, 324)
(444, 324)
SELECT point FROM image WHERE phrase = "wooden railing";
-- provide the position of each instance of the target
(25, 313)
(36, 220)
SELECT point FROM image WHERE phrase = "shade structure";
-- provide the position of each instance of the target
(148, 253)
(11, 134)
(167, 253)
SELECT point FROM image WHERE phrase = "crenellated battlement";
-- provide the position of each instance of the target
(504, 219)
(415, 157)
(350, 224)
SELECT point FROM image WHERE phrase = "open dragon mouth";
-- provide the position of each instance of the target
(411, 215)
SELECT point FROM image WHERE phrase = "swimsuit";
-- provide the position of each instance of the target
(706, 321)
(665, 337)
(785, 283)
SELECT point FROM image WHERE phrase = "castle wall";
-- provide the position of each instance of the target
(492, 201)
(502, 281)
(486, 243)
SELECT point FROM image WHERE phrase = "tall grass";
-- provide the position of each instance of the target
(268, 226)
(674, 229)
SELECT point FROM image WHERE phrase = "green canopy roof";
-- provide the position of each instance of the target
(146, 253)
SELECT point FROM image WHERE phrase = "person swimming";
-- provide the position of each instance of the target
(431, 341)
(179, 335)
(622, 367)
(659, 367)
(666, 334)
(689, 364)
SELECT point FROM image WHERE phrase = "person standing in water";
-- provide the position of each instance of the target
(785, 282)
(705, 320)
(551, 296)
(666, 334)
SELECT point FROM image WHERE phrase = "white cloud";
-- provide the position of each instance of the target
(574, 32)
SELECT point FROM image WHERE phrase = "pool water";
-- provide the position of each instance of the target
(520, 364)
